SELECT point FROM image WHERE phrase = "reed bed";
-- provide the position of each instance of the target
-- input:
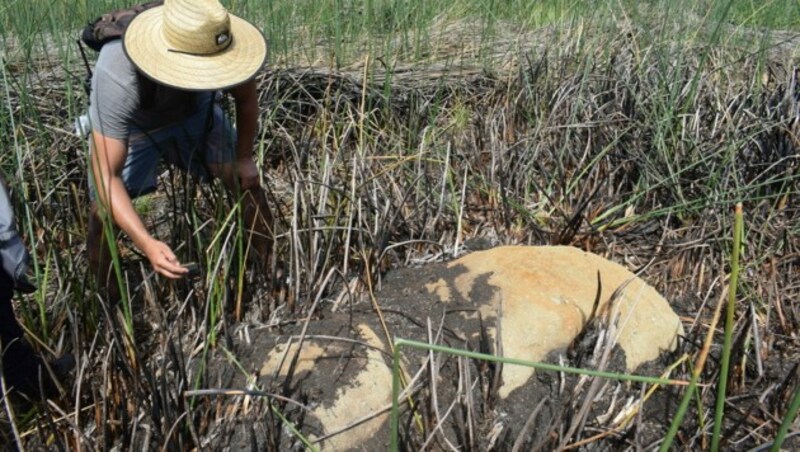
(608, 136)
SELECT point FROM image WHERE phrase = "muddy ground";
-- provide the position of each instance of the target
(538, 416)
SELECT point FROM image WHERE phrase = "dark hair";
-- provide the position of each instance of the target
(151, 92)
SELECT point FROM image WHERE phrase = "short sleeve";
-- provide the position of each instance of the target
(114, 96)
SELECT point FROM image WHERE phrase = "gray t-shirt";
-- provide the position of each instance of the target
(122, 99)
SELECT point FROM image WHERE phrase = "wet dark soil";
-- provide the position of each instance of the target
(538, 415)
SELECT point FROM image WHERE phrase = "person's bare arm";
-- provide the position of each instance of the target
(246, 101)
(107, 161)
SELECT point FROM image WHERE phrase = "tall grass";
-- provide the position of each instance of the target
(340, 32)
(624, 127)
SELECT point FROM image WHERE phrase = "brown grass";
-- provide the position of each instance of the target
(615, 147)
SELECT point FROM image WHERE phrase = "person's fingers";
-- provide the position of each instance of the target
(166, 263)
(172, 271)
(169, 274)
(168, 255)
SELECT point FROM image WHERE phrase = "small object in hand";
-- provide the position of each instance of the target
(194, 270)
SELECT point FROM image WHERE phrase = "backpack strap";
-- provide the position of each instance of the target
(87, 81)
(106, 28)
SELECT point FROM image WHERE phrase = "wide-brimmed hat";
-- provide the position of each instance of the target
(194, 45)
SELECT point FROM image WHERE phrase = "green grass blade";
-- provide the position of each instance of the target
(729, 322)
(787, 421)
(399, 343)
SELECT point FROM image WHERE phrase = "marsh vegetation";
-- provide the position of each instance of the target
(392, 133)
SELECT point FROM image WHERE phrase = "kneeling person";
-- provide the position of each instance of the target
(155, 96)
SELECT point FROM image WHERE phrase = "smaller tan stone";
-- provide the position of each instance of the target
(368, 392)
(305, 363)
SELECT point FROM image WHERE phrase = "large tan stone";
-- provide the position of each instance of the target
(545, 295)
(536, 299)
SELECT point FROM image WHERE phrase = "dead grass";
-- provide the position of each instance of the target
(607, 143)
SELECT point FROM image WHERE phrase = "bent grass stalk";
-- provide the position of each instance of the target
(400, 343)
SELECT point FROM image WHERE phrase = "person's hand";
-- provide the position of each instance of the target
(248, 173)
(164, 261)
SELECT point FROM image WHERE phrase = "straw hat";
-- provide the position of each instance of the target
(194, 45)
